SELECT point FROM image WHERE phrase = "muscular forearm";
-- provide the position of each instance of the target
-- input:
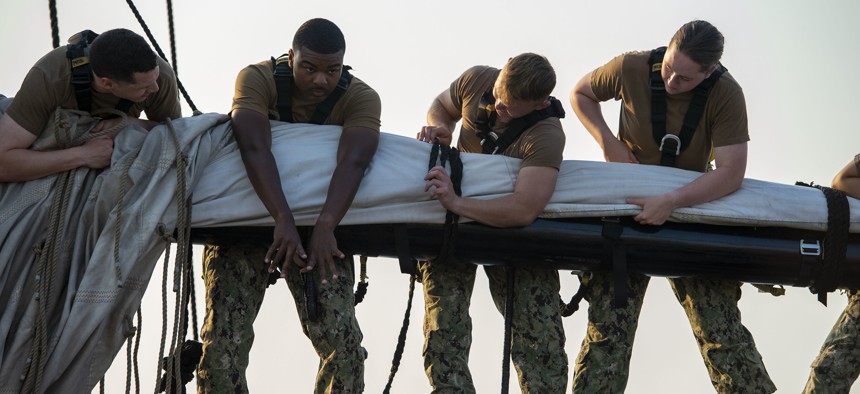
(507, 211)
(589, 113)
(708, 187)
(20, 165)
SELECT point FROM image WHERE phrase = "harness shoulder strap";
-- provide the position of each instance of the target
(672, 145)
(283, 83)
(491, 142)
(79, 56)
(283, 75)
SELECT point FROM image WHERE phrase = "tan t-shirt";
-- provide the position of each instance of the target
(723, 123)
(48, 86)
(359, 106)
(541, 145)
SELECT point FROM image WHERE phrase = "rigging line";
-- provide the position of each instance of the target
(161, 53)
(55, 30)
(172, 37)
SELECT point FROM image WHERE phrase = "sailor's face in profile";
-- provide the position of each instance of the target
(315, 74)
(680, 73)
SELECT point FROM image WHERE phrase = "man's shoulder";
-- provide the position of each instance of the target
(54, 65)
(360, 90)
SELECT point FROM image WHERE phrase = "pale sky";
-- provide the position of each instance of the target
(796, 61)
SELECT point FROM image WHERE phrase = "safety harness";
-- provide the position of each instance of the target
(82, 73)
(284, 83)
(491, 142)
(672, 145)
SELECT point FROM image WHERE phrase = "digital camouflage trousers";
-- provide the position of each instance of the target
(537, 335)
(711, 305)
(838, 364)
(235, 278)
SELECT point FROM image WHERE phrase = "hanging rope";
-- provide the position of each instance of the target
(509, 319)
(47, 255)
(401, 339)
(55, 30)
(172, 37)
(161, 53)
(361, 291)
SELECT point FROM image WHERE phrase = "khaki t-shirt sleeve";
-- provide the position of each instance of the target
(606, 80)
(730, 125)
(364, 109)
(252, 91)
(166, 102)
(34, 103)
(543, 146)
(469, 85)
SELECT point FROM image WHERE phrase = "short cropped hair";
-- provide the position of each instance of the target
(319, 35)
(526, 77)
(701, 42)
(119, 53)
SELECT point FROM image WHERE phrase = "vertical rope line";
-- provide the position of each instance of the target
(160, 53)
(163, 314)
(137, 350)
(55, 30)
(172, 37)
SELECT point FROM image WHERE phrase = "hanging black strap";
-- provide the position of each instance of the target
(283, 75)
(82, 73)
(671, 145)
(615, 255)
(492, 142)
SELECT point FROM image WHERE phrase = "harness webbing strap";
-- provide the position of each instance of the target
(491, 142)
(671, 145)
(835, 243)
(82, 73)
(283, 75)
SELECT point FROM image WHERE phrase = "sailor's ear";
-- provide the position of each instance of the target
(542, 105)
(290, 57)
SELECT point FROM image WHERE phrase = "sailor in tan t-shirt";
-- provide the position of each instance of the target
(308, 85)
(125, 75)
(503, 103)
(689, 62)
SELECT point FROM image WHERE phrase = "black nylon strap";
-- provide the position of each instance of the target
(616, 253)
(78, 55)
(493, 143)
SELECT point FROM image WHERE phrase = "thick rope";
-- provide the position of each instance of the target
(401, 339)
(509, 322)
(172, 37)
(161, 53)
(137, 350)
(361, 291)
(48, 256)
(55, 30)
(167, 238)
